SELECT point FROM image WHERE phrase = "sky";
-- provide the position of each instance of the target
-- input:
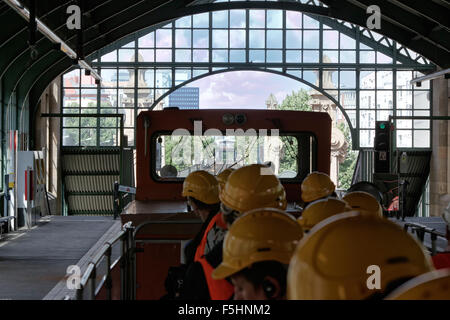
(243, 89)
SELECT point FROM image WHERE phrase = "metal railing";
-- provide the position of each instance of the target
(126, 261)
(420, 231)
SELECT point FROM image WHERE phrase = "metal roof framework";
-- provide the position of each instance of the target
(422, 26)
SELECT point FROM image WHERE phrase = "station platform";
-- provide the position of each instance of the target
(33, 263)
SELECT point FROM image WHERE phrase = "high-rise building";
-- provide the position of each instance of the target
(185, 98)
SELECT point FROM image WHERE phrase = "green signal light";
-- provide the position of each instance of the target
(382, 126)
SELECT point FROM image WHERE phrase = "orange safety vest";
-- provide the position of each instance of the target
(218, 289)
(217, 219)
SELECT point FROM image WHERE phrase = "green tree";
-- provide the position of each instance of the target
(299, 101)
(347, 167)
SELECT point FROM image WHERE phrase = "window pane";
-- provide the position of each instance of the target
(348, 56)
(330, 56)
(367, 79)
(163, 55)
(256, 38)
(293, 20)
(404, 138)
(220, 56)
(385, 100)
(256, 56)
(367, 57)
(147, 41)
(201, 38)
(274, 39)
(149, 77)
(384, 79)
(184, 22)
(201, 20)
(237, 55)
(163, 38)
(182, 55)
(347, 79)
(311, 39)
(237, 38)
(330, 78)
(126, 77)
(108, 137)
(182, 75)
(367, 99)
(109, 122)
(147, 55)
(237, 18)
(109, 77)
(312, 76)
(163, 78)
(71, 137)
(183, 38)
(421, 139)
(110, 57)
(274, 56)
(384, 115)
(200, 56)
(274, 19)
(330, 39)
(421, 124)
(293, 39)
(293, 56)
(311, 56)
(88, 137)
(257, 19)
(347, 42)
(220, 19)
(366, 138)
(108, 98)
(220, 38)
(72, 78)
(126, 55)
(403, 79)
(421, 99)
(367, 119)
(404, 99)
(309, 23)
(145, 98)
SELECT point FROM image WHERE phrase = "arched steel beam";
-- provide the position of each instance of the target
(323, 91)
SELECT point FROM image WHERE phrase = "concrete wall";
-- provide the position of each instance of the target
(48, 139)
(440, 160)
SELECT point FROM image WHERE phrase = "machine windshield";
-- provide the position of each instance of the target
(289, 155)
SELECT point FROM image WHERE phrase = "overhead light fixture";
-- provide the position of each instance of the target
(418, 81)
(46, 31)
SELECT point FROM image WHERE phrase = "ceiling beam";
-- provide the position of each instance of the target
(419, 26)
(431, 11)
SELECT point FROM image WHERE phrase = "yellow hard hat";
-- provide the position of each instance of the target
(202, 186)
(363, 202)
(251, 187)
(340, 257)
(316, 185)
(320, 210)
(265, 234)
(223, 177)
(434, 285)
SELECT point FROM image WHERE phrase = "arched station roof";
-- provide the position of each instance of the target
(422, 26)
